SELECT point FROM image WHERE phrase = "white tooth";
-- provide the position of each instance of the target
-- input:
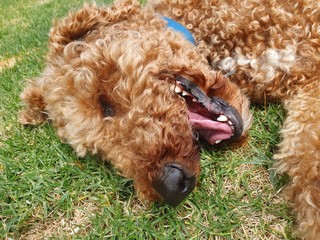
(222, 118)
(194, 100)
(230, 123)
(184, 93)
(218, 141)
(178, 89)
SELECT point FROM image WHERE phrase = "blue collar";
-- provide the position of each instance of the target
(179, 28)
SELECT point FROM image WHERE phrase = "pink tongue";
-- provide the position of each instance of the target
(210, 130)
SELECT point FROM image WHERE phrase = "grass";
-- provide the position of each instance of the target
(46, 192)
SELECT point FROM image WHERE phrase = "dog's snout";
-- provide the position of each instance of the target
(175, 184)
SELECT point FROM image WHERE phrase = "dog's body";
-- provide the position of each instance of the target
(273, 50)
(110, 88)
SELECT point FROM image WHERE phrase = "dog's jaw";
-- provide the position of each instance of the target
(214, 119)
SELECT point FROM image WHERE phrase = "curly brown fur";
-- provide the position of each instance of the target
(107, 89)
(273, 48)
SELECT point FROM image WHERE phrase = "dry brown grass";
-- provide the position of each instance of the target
(62, 226)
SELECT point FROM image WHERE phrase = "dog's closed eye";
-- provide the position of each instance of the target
(107, 109)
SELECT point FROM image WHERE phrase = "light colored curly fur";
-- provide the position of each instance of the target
(126, 56)
(273, 48)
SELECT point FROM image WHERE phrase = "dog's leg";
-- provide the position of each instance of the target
(34, 106)
(299, 157)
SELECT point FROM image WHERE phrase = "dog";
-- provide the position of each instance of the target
(273, 50)
(122, 84)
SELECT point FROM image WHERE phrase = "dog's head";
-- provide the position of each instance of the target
(160, 118)
(140, 96)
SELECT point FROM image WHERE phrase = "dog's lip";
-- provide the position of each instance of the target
(219, 120)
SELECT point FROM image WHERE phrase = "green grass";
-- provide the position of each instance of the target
(46, 192)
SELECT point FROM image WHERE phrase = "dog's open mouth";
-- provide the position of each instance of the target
(213, 118)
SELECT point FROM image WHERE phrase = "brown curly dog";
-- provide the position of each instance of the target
(273, 50)
(120, 84)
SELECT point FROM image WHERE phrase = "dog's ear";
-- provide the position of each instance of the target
(33, 111)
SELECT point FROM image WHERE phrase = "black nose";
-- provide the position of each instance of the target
(175, 184)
